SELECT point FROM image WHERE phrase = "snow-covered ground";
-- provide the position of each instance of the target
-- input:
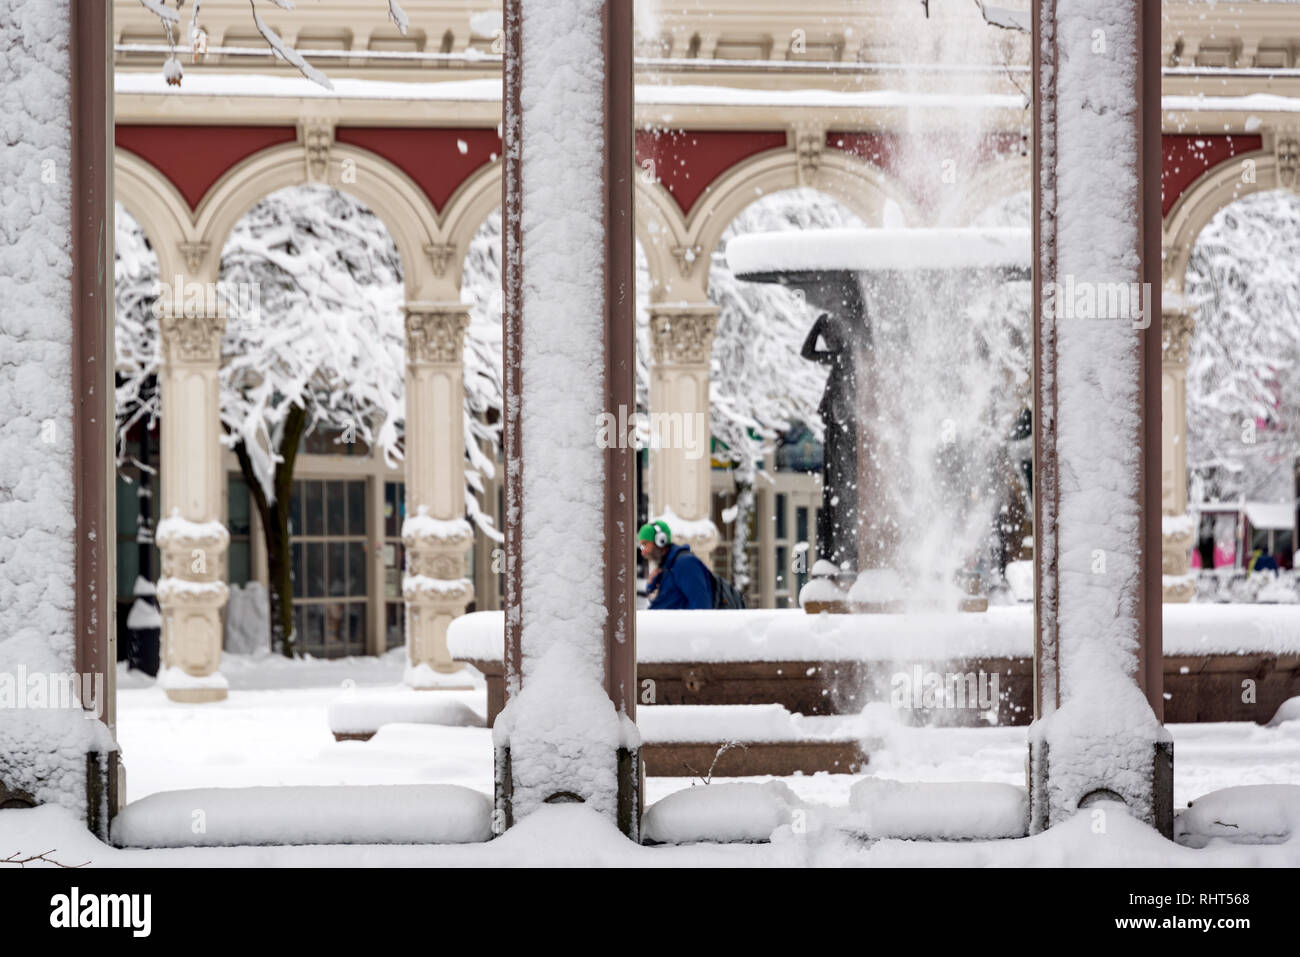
(273, 730)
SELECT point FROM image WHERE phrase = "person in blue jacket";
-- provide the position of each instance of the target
(682, 580)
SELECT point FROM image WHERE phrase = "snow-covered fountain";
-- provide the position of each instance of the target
(920, 329)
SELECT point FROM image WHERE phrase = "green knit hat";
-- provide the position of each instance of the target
(652, 530)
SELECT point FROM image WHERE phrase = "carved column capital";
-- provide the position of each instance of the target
(1176, 327)
(435, 332)
(192, 338)
(682, 333)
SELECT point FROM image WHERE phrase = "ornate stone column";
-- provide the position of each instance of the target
(191, 537)
(1178, 531)
(435, 532)
(681, 345)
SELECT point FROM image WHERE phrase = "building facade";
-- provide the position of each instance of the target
(734, 102)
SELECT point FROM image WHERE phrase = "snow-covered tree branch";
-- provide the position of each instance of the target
(1243, 376)
(198, 36)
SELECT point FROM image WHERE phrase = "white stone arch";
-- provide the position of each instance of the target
(995, 181)
(476, 198)
(466, 210)
(1213, 190)
(158, 207)
(860, 186)
(390, 194)
(661, 227)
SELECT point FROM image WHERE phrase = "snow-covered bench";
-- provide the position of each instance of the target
(357, 715)
(837, 664)
(706, 741)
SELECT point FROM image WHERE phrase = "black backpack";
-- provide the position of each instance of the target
(726, 594)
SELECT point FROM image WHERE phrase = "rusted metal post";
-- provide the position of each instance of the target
(1151, 630)
(1046, 539)
(512, 289)
(620, 358)
(91, 178)
(617, 376)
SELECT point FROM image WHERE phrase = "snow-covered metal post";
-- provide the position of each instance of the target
(1097, 731)
(681, 491)
(57, 637)
(567, 732)
(435, 532)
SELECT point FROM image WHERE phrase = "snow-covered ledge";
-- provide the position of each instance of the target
(681, 341)
(435, 532)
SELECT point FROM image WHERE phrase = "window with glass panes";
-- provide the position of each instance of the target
(795, 546)
(239, 520)
(328, 530)
(394, 563)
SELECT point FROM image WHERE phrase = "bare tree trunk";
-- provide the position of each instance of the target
(275, 529)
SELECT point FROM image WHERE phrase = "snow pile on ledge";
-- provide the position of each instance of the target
(876, 250)
(793, 635)
(422, 677)
(361, 713)
(685, 530)
(1288, 710)
(424, 527)
(174, 678)
(877, 585)
(181, 532)
(721, 813)
(1254, 814)
(373, 814)
(820, 590)
(881, 808)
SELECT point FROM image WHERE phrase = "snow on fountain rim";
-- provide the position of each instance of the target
(879, 250)
(1190, 630)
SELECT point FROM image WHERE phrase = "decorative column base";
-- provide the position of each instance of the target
(436, 592)
(191, 597)
(1177, 537)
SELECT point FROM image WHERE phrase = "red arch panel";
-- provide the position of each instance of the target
(195, 157)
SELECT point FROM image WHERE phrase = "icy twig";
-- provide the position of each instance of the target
(42, 857)
(286, 52)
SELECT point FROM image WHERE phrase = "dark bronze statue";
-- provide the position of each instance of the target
(838, 519)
